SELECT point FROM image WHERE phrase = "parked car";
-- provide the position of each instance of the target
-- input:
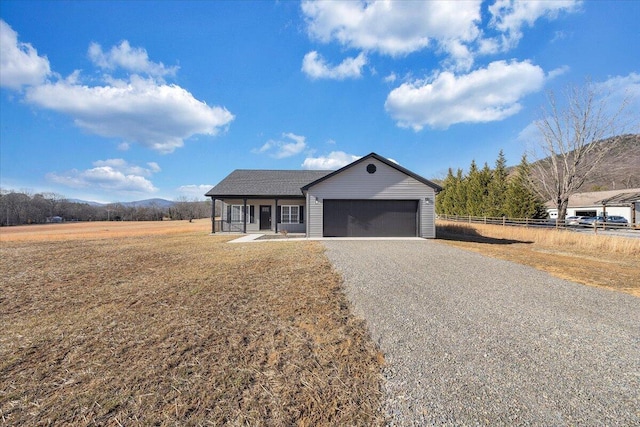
(572, 220)
(589, 220)
(601, 220)
(615, 219)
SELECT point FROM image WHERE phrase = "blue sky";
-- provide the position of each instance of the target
(120, 101)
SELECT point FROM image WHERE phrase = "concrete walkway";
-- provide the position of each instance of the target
(255, 238)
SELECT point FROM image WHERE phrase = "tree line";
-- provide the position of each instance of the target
(491, 192)
(18, 208)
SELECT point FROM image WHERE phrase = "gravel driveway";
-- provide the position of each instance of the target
(472, 340)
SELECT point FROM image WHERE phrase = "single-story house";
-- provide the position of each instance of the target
(624, 203)
(372, 196)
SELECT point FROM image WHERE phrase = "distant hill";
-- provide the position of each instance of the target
(161, 203)
(85, 202)
(620, 170)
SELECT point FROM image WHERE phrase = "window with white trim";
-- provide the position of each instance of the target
(237, 213)
(289, 214)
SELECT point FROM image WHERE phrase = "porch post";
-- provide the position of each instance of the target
(276, 216)
(213, 215)
(244, 225)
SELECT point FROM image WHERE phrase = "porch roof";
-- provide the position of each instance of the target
(250, 183)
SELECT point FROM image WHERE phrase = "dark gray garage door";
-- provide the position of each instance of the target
(370, 218)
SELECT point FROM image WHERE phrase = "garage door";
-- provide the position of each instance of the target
(370, 218)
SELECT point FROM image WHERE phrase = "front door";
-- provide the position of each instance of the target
(265, 217)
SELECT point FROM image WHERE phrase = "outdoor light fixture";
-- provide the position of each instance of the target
(317, 201)
(427, 200)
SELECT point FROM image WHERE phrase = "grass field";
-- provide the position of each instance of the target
(161, 324)
(605, 261)
(144, 323)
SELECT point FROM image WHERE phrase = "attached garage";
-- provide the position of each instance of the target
(371, 197)
(370, 218)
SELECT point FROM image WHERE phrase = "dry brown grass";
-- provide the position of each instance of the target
(606, 261)
(98, 230)
(132, 325)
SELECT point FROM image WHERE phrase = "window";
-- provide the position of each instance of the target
(290, 214)
(237, 213)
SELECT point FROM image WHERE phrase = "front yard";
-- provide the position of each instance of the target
(178, 328)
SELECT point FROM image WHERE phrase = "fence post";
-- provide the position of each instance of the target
(504, 220)
(526, 222)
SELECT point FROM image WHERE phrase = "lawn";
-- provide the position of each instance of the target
(609, 262)
(160, 323)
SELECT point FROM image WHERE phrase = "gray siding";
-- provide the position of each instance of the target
(385, 183)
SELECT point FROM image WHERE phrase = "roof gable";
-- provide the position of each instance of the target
(384, 160)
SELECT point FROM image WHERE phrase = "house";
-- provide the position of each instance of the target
(371, 197)
(624, 203)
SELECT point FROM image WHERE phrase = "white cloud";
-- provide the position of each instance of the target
(510, 16)
(280, 149)
(557, 72)
(392, 28)
(620, 88)
(123, 166)
(391, 78)
(452, 28)
(134, 109)
(111, 175)
(484, 95)
(529, 136)
(193, 191)
(20, 63)
(135, 60)
(157, 116)
(316, 67)
(335, 160)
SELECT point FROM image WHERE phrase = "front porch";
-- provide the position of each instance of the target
(260, 215)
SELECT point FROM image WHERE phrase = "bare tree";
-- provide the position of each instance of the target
(572, 142)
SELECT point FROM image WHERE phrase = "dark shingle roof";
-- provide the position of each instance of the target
(265, 183)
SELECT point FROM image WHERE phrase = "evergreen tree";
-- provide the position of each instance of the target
(497, 192)
(521, 200)
(445, 200)
(476, 189)
(460, 194)
(485, 177)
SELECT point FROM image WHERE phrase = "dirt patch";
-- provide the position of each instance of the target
(173, 326)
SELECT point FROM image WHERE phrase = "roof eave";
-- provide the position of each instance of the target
(384, 160)
(255, 196)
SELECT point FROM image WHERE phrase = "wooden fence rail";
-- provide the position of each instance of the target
(529, 222)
